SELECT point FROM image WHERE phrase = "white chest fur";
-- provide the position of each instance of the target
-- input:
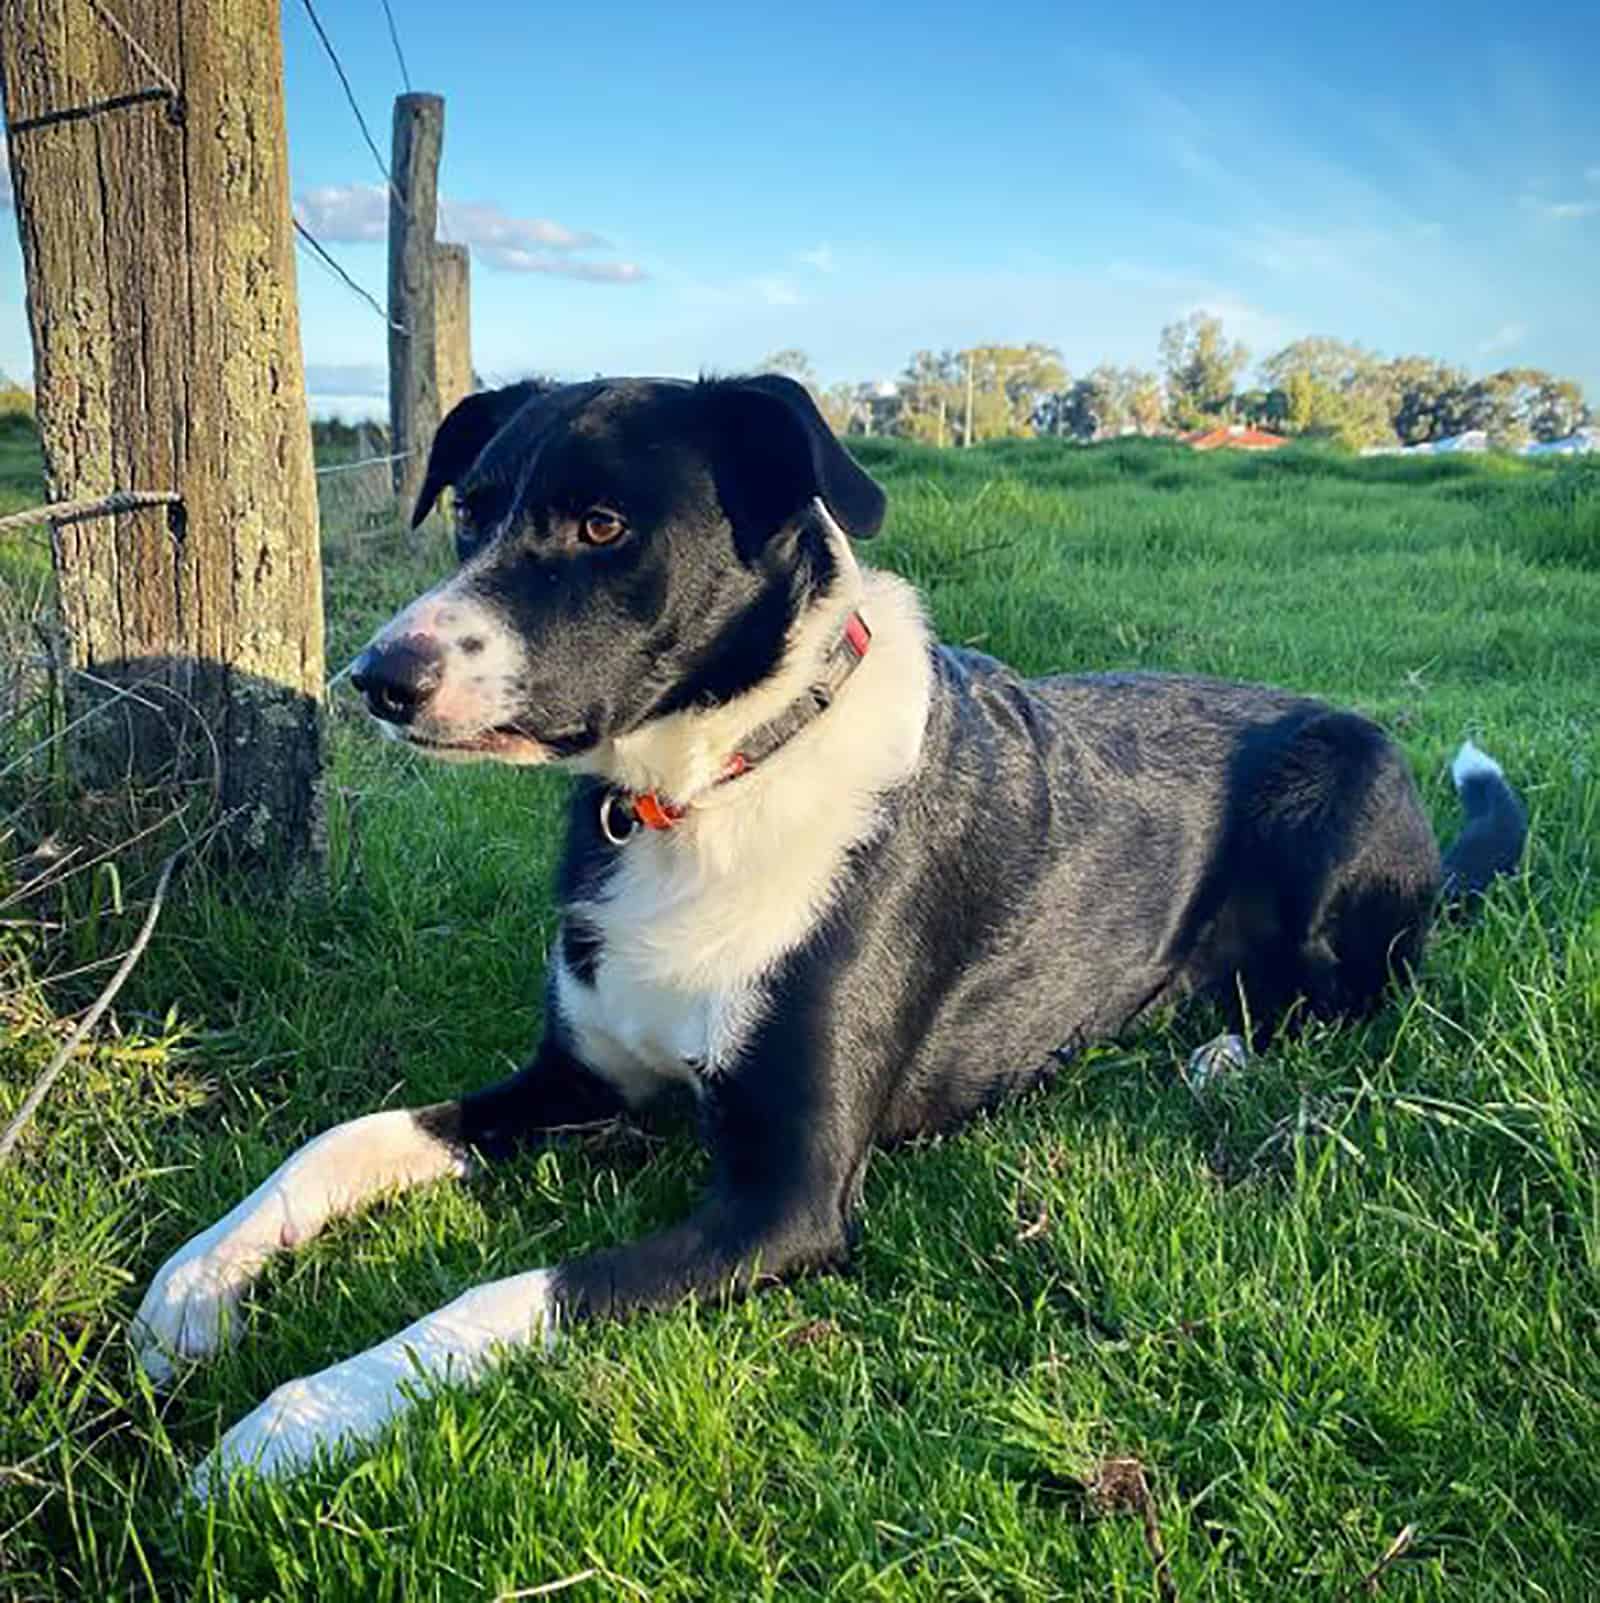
(686, 941)
(693, 922)
(638, 1034)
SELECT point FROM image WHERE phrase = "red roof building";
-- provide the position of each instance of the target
(1234, 437)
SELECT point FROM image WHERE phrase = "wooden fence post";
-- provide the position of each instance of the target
(152, 199)
(452, 286)
(413, 352)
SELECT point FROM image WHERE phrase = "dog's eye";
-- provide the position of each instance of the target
(601, 526)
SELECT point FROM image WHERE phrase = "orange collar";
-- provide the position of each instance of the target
(622, 812)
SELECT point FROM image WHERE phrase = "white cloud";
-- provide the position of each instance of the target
(1504, 338)
(526, 261)
(359, 214)
(821, 258)
(491, 232)
(345, 214)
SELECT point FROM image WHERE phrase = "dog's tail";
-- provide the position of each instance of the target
(1491, 841)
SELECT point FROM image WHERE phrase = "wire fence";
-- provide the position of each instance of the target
(38, 717)
(100, 506)
(353, 494)
(356, 495)
(307, 238)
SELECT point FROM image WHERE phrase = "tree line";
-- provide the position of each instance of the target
(1313, 388)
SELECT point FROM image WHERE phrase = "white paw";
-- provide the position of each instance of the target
(352, 1401)
(192, 1304)
(188, 1311)
(284, 1433)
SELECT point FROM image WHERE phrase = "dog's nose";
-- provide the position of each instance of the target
(399, 679)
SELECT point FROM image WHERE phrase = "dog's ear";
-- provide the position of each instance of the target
(774, 453)
(461, 437)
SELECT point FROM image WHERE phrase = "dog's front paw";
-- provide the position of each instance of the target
(191, 1306)
(353, 1401)
(283, 1434)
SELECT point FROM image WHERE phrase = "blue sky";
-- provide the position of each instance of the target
(669, 189)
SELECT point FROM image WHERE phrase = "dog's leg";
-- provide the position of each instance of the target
(188, 1311)
(722, 1247)
(771, 1213)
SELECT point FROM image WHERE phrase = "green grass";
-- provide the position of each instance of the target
(1351, 1291)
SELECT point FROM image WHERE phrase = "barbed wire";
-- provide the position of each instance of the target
(135, 49)
(101, 506)
(364, 462)
(166, 89)
(130, 500)
(305, 233)
(394, 39)
(350, 95)
(366, 294)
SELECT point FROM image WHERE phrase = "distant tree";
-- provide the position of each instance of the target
(1031, 372)
(882, 402)
(1146, 400)
(1096, 405)
(1494, 404)
(1519, 404)
(1300, 401)
(1007, 385)
(1080, 409)
(1558, 410)
(930, 390)
(1333, 389)
(1201, 367)
(1261, 409)
(1107, 401)
(792, 363)
(1050, 414)
(1362, 416)
(1333, 364)
(838, 405)
(1319, 386)
(1428, 399)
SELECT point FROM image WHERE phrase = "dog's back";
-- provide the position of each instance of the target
(1075, 850)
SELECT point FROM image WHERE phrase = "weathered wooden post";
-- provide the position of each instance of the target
(452, 295)
(413, 351)
(152, 200)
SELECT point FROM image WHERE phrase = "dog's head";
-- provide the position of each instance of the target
(629, 548)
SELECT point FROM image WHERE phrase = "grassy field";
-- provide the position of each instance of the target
(1349, 1294)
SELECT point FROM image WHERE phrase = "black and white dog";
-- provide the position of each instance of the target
(845, 883)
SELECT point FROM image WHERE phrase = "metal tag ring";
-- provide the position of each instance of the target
(609, 820)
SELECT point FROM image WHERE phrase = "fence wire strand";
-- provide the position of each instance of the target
(394, 39)
(100, 506)
(134, 48)
(366, 294)
(350, 95)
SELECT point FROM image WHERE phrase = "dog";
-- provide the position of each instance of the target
(845, 884)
